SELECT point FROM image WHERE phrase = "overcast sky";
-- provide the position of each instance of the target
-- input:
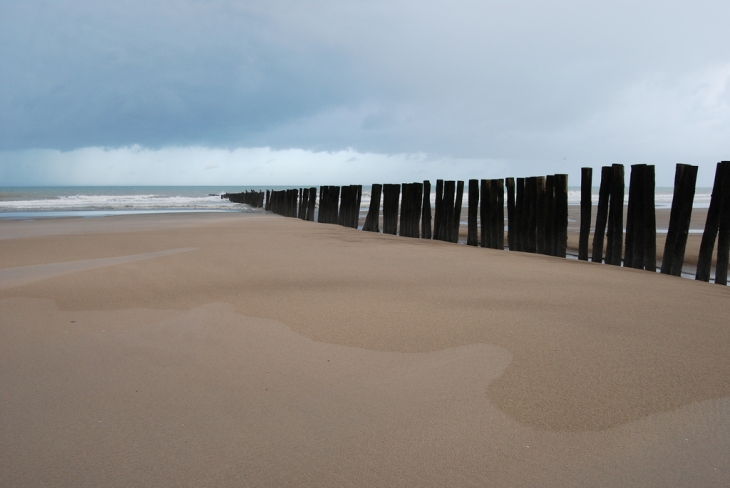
(342, 91)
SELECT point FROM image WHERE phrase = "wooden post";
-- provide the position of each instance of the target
(649, 219)
(615, 233)
(510, 182)
(586, 182)
(447, 215)
(372, 221)
(561, 215)
(438, 215)
(426, 211)
(712, 226)
(358, 201)
(679, 219)
(599, 234)
(531, 207)
(311, 204)
(472, 239)
(304, 204)
(550, 245)
(496, 213)
(540, 218)
(405, 209)
(639, 223)
(457, 211)
(486, 219)
(520, 215)
(631, 218)
(723, 241)
(391, 193)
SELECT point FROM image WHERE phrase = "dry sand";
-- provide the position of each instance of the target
(252, 350)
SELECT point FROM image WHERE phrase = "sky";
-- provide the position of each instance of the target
(356, 92)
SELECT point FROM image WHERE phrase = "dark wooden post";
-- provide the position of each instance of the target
(510, 182)
(304, 204)
(496, 213)
(520, 215)
(615, 235)
(649, 219)
(426, 211)
(485, 218)
(723, 241)
(358, 201)
(561, 215)
(599, 234)
(372, 221)
(311, 204)
(550, 242)
(417, 197)
(712, 225)
(540, 218)
(679, 219)
(391, 193)
(322, 204)
(405, 210)
(268, 200)
(447, 211)
(631, 219)
(586, 182)
(472, 239)
(438, 215)
(457, 211)
(531, 207)
(639, 223)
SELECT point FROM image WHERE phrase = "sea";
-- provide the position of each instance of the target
(30, 203)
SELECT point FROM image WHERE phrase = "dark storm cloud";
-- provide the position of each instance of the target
(521, 81)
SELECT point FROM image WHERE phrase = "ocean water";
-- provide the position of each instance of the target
(99, 201)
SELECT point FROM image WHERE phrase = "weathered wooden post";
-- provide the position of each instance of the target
(561, 215)
(510, 182)
(311, 204)
(304, 204)
(604, 192)
(472, 229)
(550, 241)
(268, 200)
(723, 240)
(457, 211)
(426, 211)
(586, 182)
(372, 221)
(679, 219)
(358, 201)
(712, 226)
(447, 215)
(541, 212)
(520, 226)
(634, 248)
(615, 232)
(416, 214)
(531, 197)
(391, 193)
(496, 210)
(439, 210)
(649, 219)
(405, 211)
(484, 213)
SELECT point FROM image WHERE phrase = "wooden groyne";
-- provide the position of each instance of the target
(537, 215)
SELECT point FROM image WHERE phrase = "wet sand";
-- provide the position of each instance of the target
(253, 350)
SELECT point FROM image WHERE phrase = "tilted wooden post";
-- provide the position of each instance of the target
(599, 234)
(679, 219)
(723, 240)
(712, 226)
(586, 188)
(372, 221)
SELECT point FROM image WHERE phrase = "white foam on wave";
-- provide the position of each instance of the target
(118, 202)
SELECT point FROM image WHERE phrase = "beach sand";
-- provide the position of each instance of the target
(257, 350)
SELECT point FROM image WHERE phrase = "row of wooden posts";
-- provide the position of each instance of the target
(537, 215)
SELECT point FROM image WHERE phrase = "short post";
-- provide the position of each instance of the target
(679, 219)
(372, 221)
(586, 182)
(599, 234)
(723, 241)
(496, 198)
(457, 211)
(391, 193)
(484, 213)
(712, 226)
(438, 215)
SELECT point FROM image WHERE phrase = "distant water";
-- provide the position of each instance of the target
(97, 201)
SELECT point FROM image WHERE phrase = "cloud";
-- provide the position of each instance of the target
(212, 165)
(529, 83)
